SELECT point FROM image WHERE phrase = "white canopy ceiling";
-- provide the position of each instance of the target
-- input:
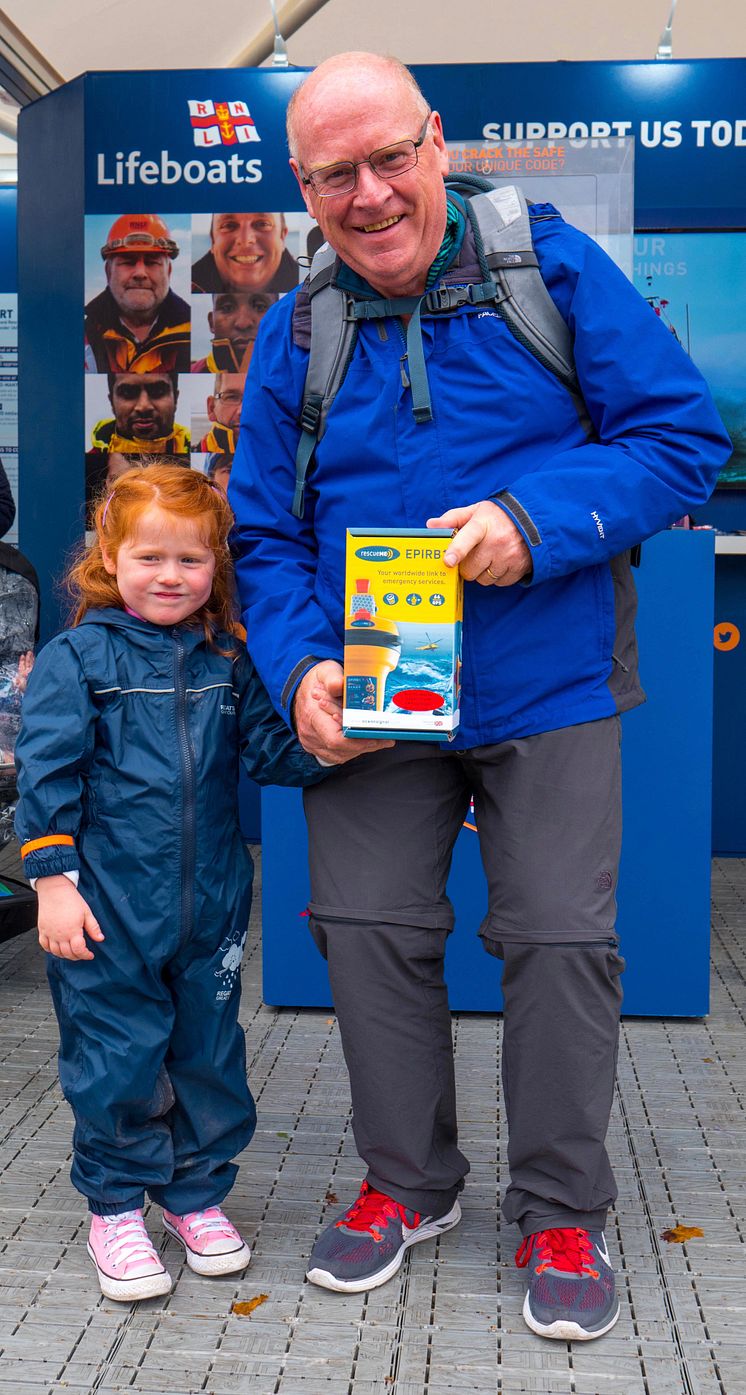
(75, 36)
(63, 38)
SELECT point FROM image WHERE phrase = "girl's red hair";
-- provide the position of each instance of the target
(182, 494)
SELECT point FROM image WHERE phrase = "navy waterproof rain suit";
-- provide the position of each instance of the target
(129, 751)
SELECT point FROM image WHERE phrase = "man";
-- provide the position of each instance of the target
(247, 253)
(224, 411)
(137, 323)
(144, 407)
(218, 469)
(102, 471)
(543, 518)
(234, 320)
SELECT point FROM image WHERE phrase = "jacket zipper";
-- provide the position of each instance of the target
(189, 797)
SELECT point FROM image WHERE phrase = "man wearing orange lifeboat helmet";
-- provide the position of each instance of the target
(138, 324)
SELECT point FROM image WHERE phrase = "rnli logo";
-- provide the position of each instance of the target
(377, 554)
(222, 123)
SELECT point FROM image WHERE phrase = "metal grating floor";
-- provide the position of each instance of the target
(450, 1321)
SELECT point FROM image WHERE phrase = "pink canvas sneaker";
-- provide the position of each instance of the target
(212, 1243)
(127, 1264)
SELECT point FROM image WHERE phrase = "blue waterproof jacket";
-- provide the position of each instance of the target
(128, 754)
(559, 649)
(130, 743)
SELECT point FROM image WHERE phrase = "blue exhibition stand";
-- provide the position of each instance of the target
(664, 899)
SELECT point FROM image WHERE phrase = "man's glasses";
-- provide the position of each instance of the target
(387, 163)
(230, 397)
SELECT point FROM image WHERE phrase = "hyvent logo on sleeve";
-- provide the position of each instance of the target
(222, 123)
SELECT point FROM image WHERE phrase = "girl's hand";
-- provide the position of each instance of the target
(25, 665)
(65, 919)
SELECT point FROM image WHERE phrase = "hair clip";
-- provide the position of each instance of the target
(106, 510)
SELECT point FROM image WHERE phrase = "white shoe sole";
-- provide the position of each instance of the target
(132, 1290)
(210, 1266)
(565, 1331)
(324, 1279)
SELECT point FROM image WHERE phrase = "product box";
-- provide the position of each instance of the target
(402, 658)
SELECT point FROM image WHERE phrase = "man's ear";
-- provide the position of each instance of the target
(211, 409)
(436, 127)
(305, 189)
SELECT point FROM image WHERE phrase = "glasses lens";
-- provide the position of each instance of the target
(231, 398)
(335, 179)
(394, 159)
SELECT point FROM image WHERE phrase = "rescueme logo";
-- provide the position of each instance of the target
(222, 123)
(133, 169)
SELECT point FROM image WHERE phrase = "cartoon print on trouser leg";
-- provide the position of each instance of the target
(232, 952)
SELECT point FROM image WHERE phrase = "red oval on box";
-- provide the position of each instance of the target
(418, 700)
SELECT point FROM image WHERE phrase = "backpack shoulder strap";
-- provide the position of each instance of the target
(505, 229)
(502, 227)
(333, 337)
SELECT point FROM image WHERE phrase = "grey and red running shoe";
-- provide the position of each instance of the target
(366, 1245)
(571, 1291)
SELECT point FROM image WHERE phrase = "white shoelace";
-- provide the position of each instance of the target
(130, 1240)
(202, 1224)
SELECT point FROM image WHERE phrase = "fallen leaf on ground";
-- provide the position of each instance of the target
(331, 1199)
(681, 1233)
(330, 1021)
(246, 1309)
(708, 1060)
(283, 1135)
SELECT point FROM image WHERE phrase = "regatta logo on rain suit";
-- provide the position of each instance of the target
(232, 951)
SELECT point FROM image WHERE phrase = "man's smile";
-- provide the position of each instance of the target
(378, 227)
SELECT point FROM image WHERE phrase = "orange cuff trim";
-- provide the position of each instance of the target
(52, 840)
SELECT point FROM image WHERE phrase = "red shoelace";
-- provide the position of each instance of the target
(567, 1250)
(371, 1210)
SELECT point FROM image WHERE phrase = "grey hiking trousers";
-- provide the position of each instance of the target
(381, 836)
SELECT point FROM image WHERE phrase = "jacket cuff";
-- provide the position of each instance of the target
(49, 860)
(528, 529)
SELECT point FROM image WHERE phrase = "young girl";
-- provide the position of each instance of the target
(127, 770)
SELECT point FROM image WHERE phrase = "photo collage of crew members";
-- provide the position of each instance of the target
(172, 307)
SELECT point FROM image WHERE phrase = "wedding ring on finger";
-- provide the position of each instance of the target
(491, 575)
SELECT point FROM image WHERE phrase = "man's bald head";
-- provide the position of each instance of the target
(347, 71)
(387, 223)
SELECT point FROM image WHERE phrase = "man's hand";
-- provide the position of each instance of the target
(488, 548)
(317, 714)
(65, 919)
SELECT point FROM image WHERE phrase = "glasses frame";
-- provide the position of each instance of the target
(231, 395)
(354, 165)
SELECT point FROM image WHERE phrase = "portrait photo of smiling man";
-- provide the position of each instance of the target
(247, 253)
